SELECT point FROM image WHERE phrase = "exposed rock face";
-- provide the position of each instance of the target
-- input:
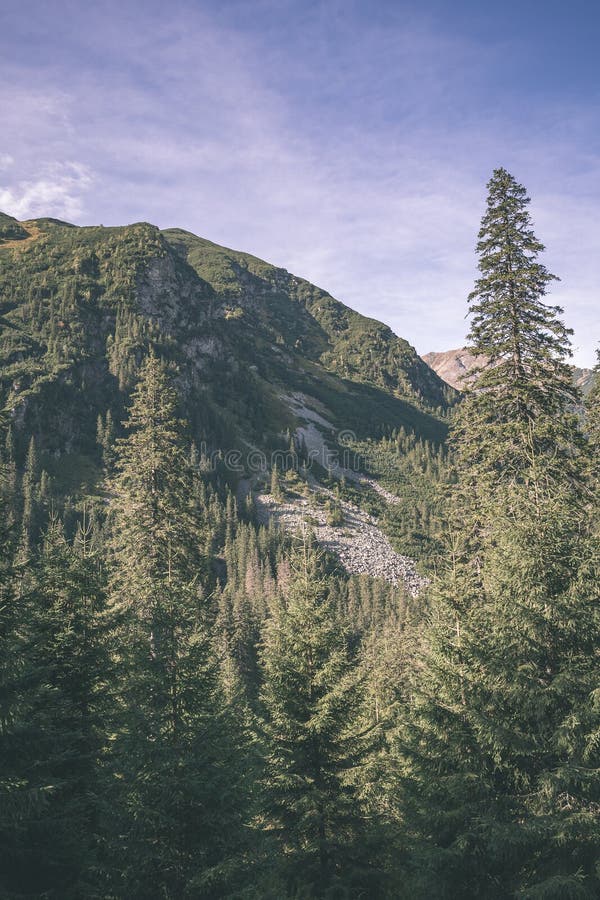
(584, 379)
(454, 366)
(311, 432)
(258, 353)
(297, 317)
(237, 330)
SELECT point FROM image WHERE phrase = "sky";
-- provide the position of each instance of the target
(348, 141)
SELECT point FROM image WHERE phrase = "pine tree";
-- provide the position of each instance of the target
(592, 426)
(500, 767)
(516, 416)
(29, 489)
(105, 437)
(53, 726)
(16, 802)
(501, 772)
(9, 480)
(181, 799)
(275, 489)
(316, 741)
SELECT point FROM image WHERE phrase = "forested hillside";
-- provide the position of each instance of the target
(266, 631)
(81, 305)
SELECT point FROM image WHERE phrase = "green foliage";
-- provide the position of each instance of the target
(241, 718)
(499, 771)
(335, 514)
(11, 229)
(315, 743)
(593, 412)
(297, 316)
(275, 488)
(501, 768)
(178, 785)
(52, 723)
(516, 416)
(417, 473)
(81, 307)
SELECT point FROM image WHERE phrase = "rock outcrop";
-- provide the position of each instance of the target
(360, 545)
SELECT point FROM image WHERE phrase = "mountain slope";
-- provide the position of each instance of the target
(11, 229)
(297, 315)
(453, 366)
(80, 307)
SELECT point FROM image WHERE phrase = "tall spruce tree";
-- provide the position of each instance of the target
(316, 742)
(516, 415)
(176, 756)
(592, 426)
(29, 487)
(499, 761)
(16, 801)
(9, 481)
(501, 766)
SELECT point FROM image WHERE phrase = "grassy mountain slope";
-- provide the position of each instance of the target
(80, 306)
(297, 315)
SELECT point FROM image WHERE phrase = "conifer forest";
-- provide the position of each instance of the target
(282, 613)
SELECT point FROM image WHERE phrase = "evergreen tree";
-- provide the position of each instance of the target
(275, 489)
(516, 416)
(316, 742)
(29, 489)
(9, 481)
(53, 726)
(500, 769)
(180, 798)
(15, 801)
(501, 766)
(105, 437)
(592, 426)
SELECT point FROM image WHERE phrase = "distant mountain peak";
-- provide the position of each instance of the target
(456, 367)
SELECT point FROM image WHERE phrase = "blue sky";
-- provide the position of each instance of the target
(349, 142)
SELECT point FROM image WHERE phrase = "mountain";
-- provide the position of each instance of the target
(455, 368)
(584, 379)
(258, 352)
(11, 230)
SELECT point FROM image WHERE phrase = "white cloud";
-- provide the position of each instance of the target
(59, 193)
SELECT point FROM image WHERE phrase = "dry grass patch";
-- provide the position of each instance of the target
(21, 243)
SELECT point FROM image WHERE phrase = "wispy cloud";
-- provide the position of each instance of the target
(59, 192)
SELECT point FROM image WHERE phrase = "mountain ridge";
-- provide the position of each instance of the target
(81, 305)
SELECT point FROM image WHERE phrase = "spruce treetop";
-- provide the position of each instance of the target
(523, 338)
(517, 422)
